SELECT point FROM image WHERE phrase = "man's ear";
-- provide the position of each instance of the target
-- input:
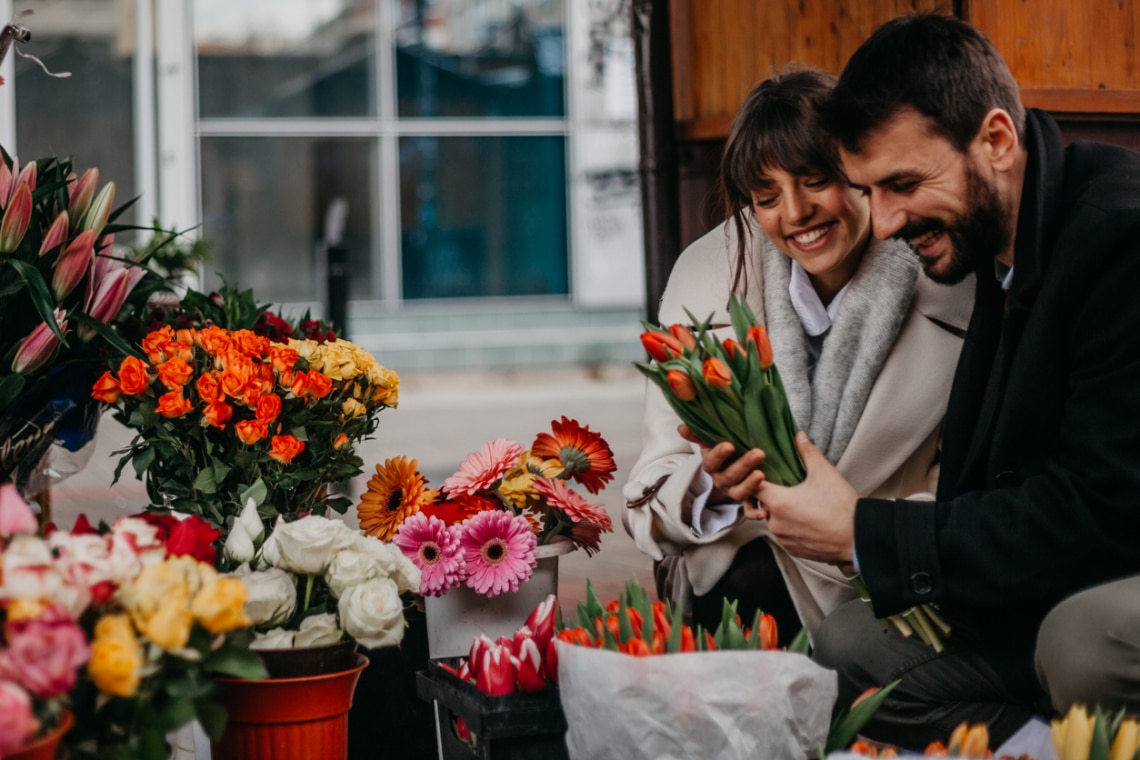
(997, 139)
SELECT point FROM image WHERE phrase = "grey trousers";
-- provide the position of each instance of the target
(937, 691)
(1088, 648)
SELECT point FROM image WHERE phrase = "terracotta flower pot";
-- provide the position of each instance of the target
(46, 746)
(287, 718)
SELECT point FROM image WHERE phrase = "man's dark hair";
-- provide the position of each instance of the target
(937, 65)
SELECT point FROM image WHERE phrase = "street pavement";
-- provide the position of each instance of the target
(440, 419)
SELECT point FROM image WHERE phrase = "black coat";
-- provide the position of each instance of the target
(1039, 492)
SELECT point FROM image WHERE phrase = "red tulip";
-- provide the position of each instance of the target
(56, 234)
(550, 662)
(717, 374)
(73, 263)
(683, 334)
(17, 217)
(475, 657)
(758, 335)
(541, 621)
(681, 385)
(496, 675)
(661, 346)
(528, 667)
(38, 346)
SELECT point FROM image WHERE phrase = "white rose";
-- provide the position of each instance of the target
(317, 630)
(307, 546)
(349, 568)
(270, 556)
(84, 559)
(372, 613)
(278, 638)
(142, 537)
(272, 596)
(392, 561)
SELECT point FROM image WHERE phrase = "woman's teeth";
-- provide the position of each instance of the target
(809, 237)
(926, 239)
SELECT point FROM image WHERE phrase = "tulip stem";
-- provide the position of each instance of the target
(308, 591)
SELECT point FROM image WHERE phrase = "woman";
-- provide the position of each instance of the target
(865, 344)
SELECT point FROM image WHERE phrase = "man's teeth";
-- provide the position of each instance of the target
(926, 239)
(809, 237)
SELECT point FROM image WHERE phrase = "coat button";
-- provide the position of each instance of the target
(920, 583)
(1007, 479)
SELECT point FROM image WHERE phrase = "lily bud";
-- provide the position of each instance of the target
(681, 385)
(28, 176)
(81, 194)
(17, 217)
(717, 374)
(7, 182)
(73, 263)
(683, 334)
(661, 346)
(97, 215)
(541, 620)
(758, 335)
(38, 346)
(56, 234)
(110, 283)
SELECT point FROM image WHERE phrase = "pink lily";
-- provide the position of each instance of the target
(73, 263)
(38, 346)
(529, 667)
(7, 180)
(81, 195)
(17, 217)
(15, 514)
(56, 234)
(111, 281)
(96, 218)
(541, 620)
(29, 175)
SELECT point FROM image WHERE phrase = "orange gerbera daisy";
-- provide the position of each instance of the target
(459, 507)
(395, 492)
(585, 454)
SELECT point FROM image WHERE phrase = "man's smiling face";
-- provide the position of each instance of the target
(933, 196)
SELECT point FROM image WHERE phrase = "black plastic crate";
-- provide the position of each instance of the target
(524, 726)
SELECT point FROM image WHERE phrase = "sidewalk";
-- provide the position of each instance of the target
(441, 418)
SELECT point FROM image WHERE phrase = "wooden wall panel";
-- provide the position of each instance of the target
(1069, 56)
(721, 48)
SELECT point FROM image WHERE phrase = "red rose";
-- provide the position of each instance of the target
(194, 537)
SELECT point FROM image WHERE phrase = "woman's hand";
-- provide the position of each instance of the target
(735, 481)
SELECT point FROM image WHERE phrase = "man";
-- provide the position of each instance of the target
(1039, 490)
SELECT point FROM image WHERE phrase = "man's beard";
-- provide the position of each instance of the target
(976, 238)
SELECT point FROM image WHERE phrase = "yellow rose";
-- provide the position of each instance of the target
(177, 576)
(220, 606)
(352, 408)
(25, 609)
(169, 626)
(116, 657)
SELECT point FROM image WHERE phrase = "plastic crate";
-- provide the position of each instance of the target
(524, 726)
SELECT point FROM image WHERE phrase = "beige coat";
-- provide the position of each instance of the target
(893, 450)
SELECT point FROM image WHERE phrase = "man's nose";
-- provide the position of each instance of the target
(886, 218)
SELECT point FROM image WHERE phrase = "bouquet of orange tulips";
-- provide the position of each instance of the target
(727, 390)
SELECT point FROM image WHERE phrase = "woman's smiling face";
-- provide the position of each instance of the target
(823, 224)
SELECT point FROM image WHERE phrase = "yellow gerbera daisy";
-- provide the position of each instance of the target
(395, 492)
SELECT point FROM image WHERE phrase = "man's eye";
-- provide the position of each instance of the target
(903, 188)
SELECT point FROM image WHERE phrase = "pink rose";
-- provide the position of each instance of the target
(17, 723)
(45, 652)
(15, 514)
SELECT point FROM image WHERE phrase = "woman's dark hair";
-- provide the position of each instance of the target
(777, 127)
(938, 65)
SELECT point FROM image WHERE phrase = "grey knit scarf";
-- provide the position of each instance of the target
(870, 316)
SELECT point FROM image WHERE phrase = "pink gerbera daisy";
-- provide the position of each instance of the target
(483, 468)
(434, 548)
(498, 551)
(559, 496)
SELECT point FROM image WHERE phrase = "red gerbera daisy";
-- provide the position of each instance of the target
(459, 508)
(585, 454)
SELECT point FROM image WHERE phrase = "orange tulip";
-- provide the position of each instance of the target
(717, 374)
(133, 377)
(688, 641)
(732, 348)
(284, 448)
(172, 404)
(769, 636)
(636, 647)
(218, 413)
(661, 346)
(106, 389)
(681, 385)
(684, 335)
(660, 619)
(758, 335)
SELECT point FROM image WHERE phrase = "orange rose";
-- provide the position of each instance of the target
(282, 358)
(218, 413)
(319, 385)
(234, 378)
(154, 344)
(174, 372)
(251, 431)
(106, 389)
(341, 441)
(300, 385)
(208, 387)
(133, 378)
(172, 404)
(268, 407)
(284, 448)
(215, 340)
(250, 343)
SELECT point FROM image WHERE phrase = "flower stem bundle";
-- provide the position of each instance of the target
(727, 390)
